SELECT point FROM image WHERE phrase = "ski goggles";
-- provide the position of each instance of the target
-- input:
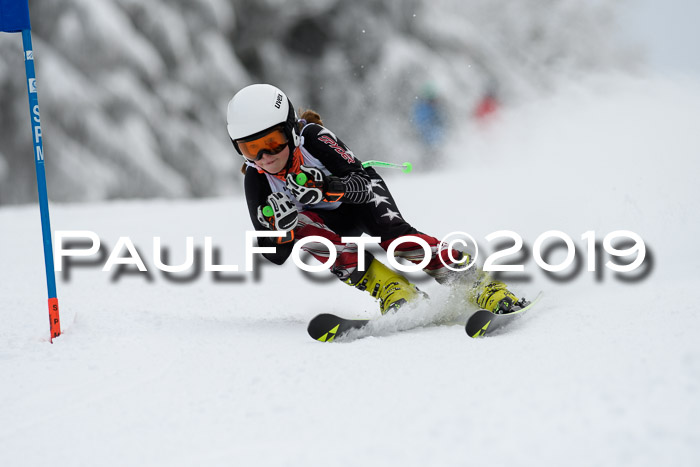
(271, 142)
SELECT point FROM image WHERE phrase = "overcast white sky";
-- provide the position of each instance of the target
(669, 29)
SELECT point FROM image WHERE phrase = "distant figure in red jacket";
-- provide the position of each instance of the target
(487, 106)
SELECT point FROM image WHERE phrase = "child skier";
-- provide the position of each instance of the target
(302, 180)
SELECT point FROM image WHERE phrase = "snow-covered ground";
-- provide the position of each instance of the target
(603, 372)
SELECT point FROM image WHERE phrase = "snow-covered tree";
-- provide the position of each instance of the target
(133, 94)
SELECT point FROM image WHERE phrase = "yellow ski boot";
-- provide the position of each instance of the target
(493, 295)
(391, 288)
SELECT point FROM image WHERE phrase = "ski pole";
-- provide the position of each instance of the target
(406, 167)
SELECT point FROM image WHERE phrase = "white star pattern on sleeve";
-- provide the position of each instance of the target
(391, 215)
(377, 183)
(379, 199)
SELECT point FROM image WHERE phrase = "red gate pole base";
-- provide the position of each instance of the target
(54, 320)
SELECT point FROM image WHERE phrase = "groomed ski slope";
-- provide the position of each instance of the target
(204, 373)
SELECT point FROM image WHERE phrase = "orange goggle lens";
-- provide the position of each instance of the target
(273, 142)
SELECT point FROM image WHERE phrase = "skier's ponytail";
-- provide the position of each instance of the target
(309, 116)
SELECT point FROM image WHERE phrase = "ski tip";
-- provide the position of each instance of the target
(324, 327)
(316, 327)
(327, 327)
(479, 322)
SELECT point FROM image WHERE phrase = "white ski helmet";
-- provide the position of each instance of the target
(257, 108)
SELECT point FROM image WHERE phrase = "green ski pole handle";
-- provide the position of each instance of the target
(406, 167)
(302, 179)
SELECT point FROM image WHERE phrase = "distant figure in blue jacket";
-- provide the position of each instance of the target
(429, 118)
